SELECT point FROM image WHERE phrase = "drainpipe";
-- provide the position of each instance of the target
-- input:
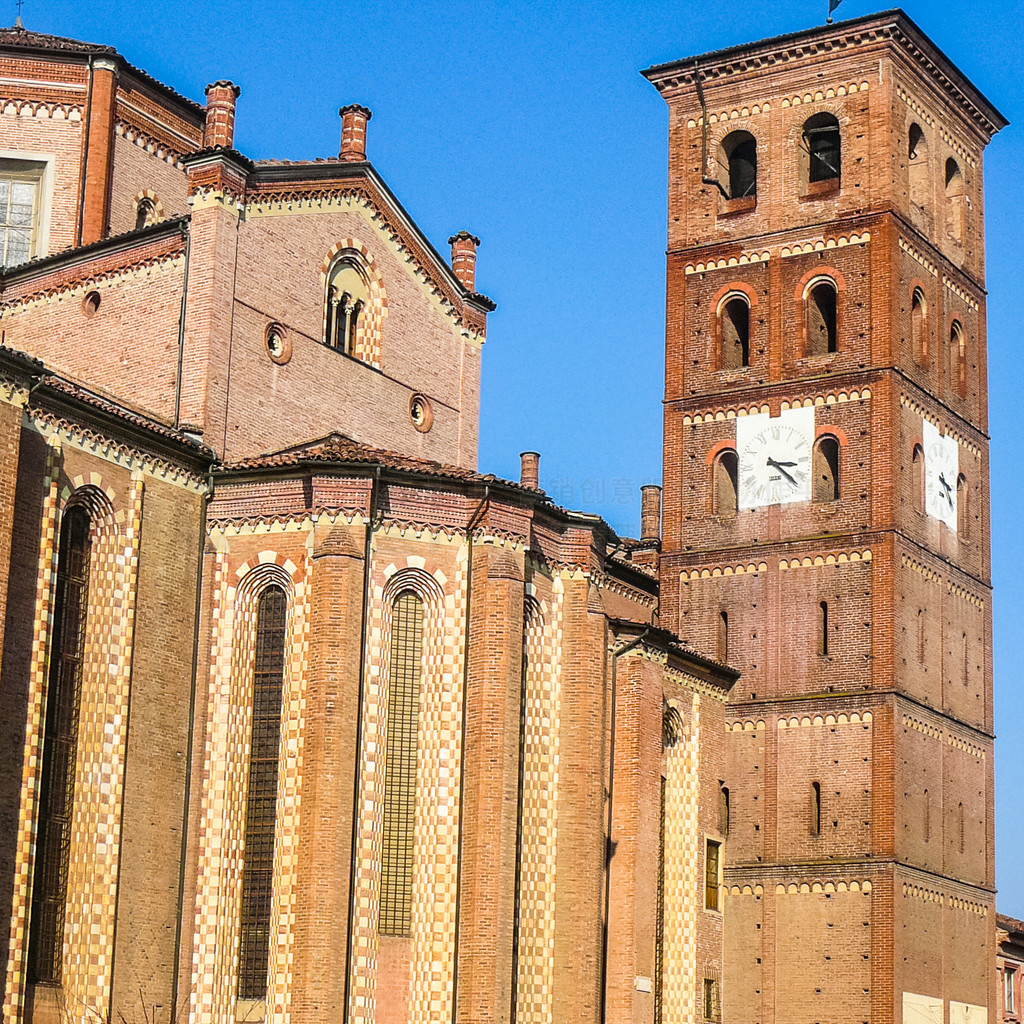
(367, 553)
(705, 180)
(187, 232)
(616, 654)
(85, 155)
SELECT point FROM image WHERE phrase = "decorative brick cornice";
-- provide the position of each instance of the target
(126, 456)
(716, 571)
(813, 721)
(732, 412)
(891, 30)
(152, 145)
(836, 558)
(911, 403)
(53, 110)
(860, 885)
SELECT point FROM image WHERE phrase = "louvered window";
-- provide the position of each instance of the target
(60, 741)
(400, 771)
(261, 800)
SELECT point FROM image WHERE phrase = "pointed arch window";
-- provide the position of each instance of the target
(60, 744)
(261, 798)
(820, 306)
(815, 808)
(734, 333)
(400, 764)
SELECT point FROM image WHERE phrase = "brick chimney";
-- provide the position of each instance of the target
(529, 473)
(220, 115)
(650, 513)
(354, 119)
(464, 258)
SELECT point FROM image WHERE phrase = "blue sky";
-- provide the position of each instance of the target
(529, 125)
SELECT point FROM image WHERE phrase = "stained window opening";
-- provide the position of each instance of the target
(735, 334)
(725, 483)
(60, 744)
(261, 795)
(400, 765)
(712, 874)
(821, 319)
(20, 188)
(825, 466)
(737, 158)
(723, 809)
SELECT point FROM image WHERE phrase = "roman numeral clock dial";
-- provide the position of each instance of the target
(775, 457)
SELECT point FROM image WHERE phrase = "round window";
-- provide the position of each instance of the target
(279, 347)
(421, 413)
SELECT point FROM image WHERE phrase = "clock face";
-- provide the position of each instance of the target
(941, 469)
(775, 457)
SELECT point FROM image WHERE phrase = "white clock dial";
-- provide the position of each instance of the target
(941, 469)
(775, 457)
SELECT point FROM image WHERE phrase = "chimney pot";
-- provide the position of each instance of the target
(650, 513)
(464, 247)
(354, 119)
(529, 473)
(219, 129)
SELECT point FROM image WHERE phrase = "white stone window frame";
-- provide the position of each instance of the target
(47, 161)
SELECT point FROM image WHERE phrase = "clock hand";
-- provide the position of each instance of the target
(779, 465)
(949, 490)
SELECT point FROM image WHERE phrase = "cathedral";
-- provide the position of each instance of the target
(305, 718)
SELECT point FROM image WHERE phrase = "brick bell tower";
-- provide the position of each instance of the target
(826, 513)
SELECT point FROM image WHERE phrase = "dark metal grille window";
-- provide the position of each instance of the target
(823, 147)
(261, 802)
(400, 771)
(743, 170)
(60, 742)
